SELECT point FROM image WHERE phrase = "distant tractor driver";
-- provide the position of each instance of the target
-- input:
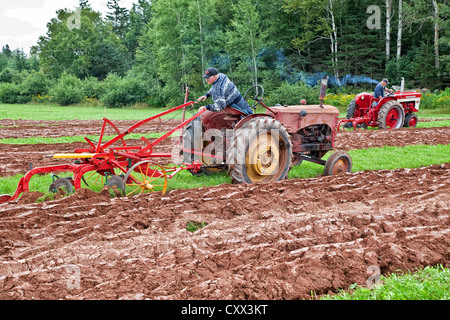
(381, 88)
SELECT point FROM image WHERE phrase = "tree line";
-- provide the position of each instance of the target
(152, 52)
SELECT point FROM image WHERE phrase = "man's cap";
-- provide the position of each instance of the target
(210, 72)
(386, 80)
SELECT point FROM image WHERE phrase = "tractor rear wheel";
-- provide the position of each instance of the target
(260, 151)
(391, 115)
(338, 163)
(350, 113)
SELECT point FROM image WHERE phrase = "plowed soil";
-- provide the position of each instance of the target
(278, 241)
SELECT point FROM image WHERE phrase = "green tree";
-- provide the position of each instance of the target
(91, 50)
(119, 17)
(166, 46)
(245, 41)
(140, 16)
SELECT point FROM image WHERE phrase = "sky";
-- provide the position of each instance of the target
(23, 21)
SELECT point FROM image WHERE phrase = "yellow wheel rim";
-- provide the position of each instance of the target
(263, 157)
(146, 177)
(340, 167)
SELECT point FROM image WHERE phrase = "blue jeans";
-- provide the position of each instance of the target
(243, 106)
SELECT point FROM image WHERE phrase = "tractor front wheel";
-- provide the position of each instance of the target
(411, 121)
(338, 163)
(260, 151)
(391, 115)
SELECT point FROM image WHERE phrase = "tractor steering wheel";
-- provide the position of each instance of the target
(255, 93)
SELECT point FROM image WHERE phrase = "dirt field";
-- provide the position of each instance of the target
(279, 241)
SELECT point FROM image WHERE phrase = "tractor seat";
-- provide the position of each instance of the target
(233, 114)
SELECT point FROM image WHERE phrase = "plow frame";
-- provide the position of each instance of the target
(103, 157)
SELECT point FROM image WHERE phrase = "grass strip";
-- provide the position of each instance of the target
(389, 158)
(58, 113)
(429, 283)
(70, 139)
(433, 124)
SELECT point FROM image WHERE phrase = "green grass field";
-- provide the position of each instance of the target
(429, 283)
(58, 113)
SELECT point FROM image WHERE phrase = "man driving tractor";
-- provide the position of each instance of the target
(381, 88)
(224, 93)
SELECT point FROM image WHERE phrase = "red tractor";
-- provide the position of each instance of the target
(263, 147)
(394, 111)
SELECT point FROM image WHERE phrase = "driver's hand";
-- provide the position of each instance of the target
(202, 109)
(202, 98)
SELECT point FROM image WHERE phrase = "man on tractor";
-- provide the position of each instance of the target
(224, 94)
(381, 88)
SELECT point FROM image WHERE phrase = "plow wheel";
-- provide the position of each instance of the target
(94, 179)
(338, 163)
(260, 151)
(116, 185)
(391, 115)
(61, 184)
(145, 177)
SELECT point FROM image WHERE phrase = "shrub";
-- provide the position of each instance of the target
(340, 101)
(92, 88)
(7, 75)
(436, 100)
(12, 93)
(127, 91)
(291, 94)
(68, 90)
(35, 83)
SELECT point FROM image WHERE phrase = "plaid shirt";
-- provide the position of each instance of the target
(224, 93)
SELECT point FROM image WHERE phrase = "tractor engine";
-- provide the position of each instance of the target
(320, 133)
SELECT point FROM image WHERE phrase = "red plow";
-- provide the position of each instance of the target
(130, 170)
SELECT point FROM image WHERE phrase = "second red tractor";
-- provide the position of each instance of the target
(394, 111)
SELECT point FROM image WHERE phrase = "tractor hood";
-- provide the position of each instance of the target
(310, 109)
(297, 117)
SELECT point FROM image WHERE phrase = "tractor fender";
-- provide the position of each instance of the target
(384, 100)
(249, 118)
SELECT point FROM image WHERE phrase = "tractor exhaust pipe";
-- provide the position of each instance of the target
(402, 85)
(323, 90)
